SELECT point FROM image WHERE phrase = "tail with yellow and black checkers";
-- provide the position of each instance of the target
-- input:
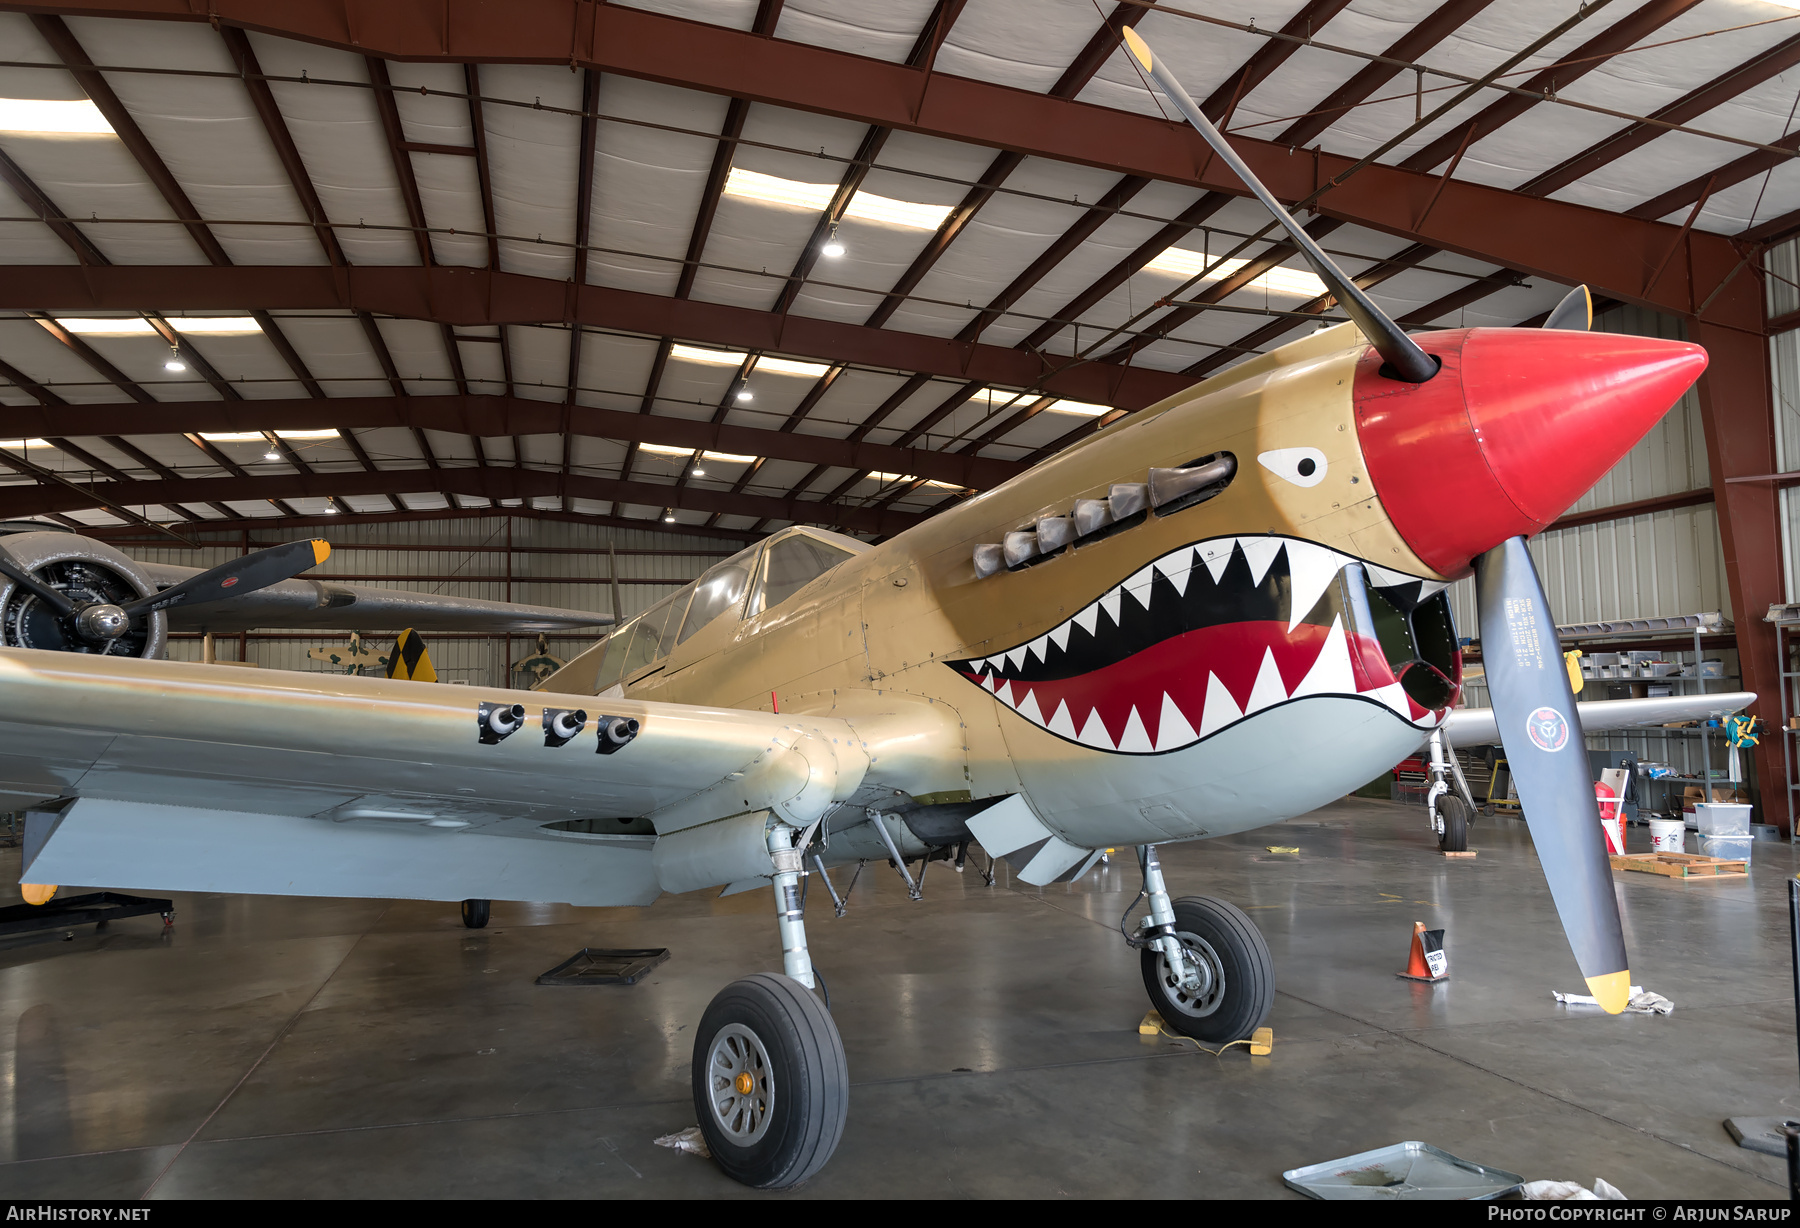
(409, 660)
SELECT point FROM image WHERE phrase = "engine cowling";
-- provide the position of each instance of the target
(89, 572)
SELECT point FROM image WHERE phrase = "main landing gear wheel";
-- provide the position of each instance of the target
(1238, 987)
(771, 1086)
(1455, 815)
(475, 913)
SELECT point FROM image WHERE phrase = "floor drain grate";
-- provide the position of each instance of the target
(600, 966)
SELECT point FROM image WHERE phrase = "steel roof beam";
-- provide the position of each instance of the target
(493, 416)
(468, 296)
(491, 484)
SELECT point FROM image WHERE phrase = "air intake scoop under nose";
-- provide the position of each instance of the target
(1518, 426)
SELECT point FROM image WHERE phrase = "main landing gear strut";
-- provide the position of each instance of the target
(771, 1086)
(1206, 967)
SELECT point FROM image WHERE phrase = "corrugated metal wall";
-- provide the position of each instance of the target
(1783, 264)
(468, 558)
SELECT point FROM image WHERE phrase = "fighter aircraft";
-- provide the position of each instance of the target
(1124, 646)
(129, 606)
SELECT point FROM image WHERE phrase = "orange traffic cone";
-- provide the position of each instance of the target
(1427, 961)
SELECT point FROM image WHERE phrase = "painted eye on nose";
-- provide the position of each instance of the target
(1301, 466)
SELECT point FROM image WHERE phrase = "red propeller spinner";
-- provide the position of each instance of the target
(1516, 427)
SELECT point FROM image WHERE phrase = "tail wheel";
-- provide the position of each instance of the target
(771, 1087)
(1455, 814)
(1238, 978)
(475, 913)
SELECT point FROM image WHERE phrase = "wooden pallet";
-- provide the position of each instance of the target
(1681, 865)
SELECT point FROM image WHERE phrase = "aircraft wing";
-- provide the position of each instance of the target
(1475, 726)
(161, 775)
(328, 605)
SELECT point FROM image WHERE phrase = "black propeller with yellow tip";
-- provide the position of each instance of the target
(99, 623)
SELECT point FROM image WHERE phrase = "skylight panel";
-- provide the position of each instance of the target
(52, 117)
(817, 197)
(22, 445)
(1184, 263)
(695, 353)
(1085, 408)
(907, 477)
(327, 433)
(788, 366)
(134, 326)
(663, 449)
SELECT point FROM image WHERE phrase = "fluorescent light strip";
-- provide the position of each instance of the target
(328, 433)
(234, 437)
(21, 445)
(787, 366)
(52, 117)
(1085, 408)
(131, 326)
(695, 353)
(1183, 263)
(992, 397)
(817, 197)
(663, 449)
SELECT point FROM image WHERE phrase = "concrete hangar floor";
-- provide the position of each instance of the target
(280, 1048)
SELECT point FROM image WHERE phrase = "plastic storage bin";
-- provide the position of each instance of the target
(1726, 819)
(1732, 848)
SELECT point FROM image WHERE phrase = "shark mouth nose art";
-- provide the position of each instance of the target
(1212, 633)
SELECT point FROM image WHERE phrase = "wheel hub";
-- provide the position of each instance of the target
(1205, 991)
(741, 1082)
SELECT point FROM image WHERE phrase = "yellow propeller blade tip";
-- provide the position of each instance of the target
(321, 550)
(36, 893)
(1138, 47)
(1612, 991)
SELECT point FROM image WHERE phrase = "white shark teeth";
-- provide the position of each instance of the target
(1221, 709)
(1135, 739)
(1216, 554)
(1060, 636)
(1094, 732)
(1311, 569)
(1060, 723)
(1015, 657)
(1269, 689)
(1394, 696)
(1139, 585)
(1330, 673)
(1028, 708)
(1176, 568)
(1172, 727)
(1259, 552)
(1110, 603)
(1088, 619)
(1004, 694)
(1381, 577)
(1037, 648)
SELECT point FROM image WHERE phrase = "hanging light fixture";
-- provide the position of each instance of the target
(832, 247)
(174, 363)
(668, 515)
(744, 394)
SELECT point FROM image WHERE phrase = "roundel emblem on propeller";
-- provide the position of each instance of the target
(228, 582)
(1547, 729)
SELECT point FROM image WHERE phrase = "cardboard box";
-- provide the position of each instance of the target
(1720, 793)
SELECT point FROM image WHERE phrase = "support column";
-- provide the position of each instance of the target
(1737, 408)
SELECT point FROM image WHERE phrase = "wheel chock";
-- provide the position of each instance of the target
(1150, 1025)
(1426, 960)
(1262, 1042)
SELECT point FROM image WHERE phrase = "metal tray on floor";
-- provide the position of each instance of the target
(1405, 1171)
(600, 966)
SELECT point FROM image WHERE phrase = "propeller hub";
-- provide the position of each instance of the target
(101, 622)
(1518, 426)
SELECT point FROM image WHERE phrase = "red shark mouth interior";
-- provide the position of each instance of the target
(1214, 632)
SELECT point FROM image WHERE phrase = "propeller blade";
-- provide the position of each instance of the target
(1575, 312)
(1405, 360)
(1547, 756)
(237, 577)
(60, 605)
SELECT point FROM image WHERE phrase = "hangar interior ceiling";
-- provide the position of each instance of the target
(605, 286)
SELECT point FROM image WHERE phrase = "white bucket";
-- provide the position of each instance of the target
(1668, 835)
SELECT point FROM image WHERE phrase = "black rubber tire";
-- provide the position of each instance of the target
(1455, 813)
(1243, 957)
(810, 1077)
(475, 913)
